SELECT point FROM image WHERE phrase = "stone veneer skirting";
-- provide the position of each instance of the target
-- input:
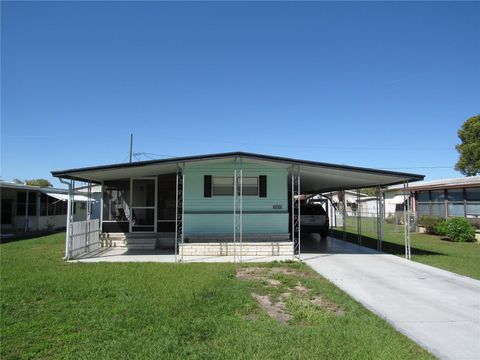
(229, 249)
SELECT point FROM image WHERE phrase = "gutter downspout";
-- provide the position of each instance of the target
(69, 211)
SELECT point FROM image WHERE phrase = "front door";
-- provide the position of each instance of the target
(143, 204)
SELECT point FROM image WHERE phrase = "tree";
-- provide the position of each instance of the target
(369, 191)
(38, 182)
(469, 162)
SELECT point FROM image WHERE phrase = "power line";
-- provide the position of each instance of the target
(419, 167)
(333, 147)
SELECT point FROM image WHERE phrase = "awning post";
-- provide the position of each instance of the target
(295, 226)
(179, 211)
(379, 217)
(88, 214)
(359, 219)
(406, 222)
(69, 218)
(344, 215)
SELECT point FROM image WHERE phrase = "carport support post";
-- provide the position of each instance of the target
(406, 222)
(179, 211)
(344, 215)
(379, 217)
(295, 226)
(89, 207)
(68, 235)
(359, 219)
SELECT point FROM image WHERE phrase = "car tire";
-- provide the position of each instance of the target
(323, 233)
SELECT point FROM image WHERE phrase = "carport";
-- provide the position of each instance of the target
(304, 177)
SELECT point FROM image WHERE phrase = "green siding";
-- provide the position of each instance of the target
(215, 214)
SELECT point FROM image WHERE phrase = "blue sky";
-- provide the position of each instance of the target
(375, 84)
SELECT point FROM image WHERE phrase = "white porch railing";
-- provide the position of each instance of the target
(84, 237)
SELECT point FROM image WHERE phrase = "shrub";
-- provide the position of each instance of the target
(430, 223)
(459, 229)
(442, 228)
(390, 219)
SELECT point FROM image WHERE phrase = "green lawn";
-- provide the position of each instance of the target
(52, 309)
(461, 258)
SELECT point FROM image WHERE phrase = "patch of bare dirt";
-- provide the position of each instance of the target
(301, 289)
(276, 310)
(257, 273)
(327, 305)
(250, 273)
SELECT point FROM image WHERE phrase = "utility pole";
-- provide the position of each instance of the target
(131, 143)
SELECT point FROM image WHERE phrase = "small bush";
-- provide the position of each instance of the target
(442, 228)
(390, 219)
(430, 223)
(459, 229)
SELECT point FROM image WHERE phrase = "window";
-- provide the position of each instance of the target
(473, 194)
(43, 204)
(423, 196)
(60, 207)
(223, 186)
(22, 200)
(438, 196)
(116, 198)
(455, 195)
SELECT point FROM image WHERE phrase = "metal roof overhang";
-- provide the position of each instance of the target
(315, 176)
(64, 197)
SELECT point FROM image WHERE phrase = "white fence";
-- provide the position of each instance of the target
(84, 237)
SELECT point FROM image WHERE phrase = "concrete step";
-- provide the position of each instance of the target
(142, 247)
(113, 242)
(139, 241)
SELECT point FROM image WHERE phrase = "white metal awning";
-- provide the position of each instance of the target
(397, 199)
(64, 197)
(316, 177)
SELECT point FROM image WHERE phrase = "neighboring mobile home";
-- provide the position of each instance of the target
(239, 198)
(446, 198)
(27, 208)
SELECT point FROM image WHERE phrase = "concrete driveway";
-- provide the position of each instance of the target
(437, 309)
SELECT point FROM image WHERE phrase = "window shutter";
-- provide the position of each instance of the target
(207, 186)
(262, 185)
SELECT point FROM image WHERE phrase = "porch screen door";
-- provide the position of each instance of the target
(143, 205)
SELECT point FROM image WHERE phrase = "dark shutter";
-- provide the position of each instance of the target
(207, 186)
(262, 185)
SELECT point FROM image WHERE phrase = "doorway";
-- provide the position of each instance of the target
(143, 200)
